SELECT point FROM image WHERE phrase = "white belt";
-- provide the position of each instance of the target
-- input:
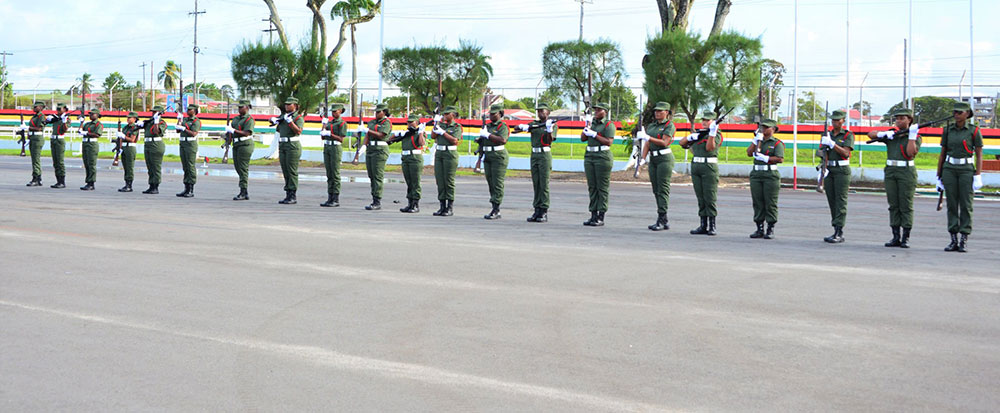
(245, 138)
(660, 152)
(838, 163)
(153, 139)
(90, 139)
(542, 149)
(493, 148)
(35, 135)
(378, 143)
(898, 163)
(292, 139)
(702, 159)
(446, 148)
(413, 152)
(58, 137)
(127, 144)
(601, 148)
(335, 143)
(765, 167)
(189, 139)
(958, 161)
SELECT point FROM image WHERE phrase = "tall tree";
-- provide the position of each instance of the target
(278, 73)
(6, 89)
(227, 92)
(674, 15)
(462, 73)
(925, 108)
(578, 68)
(352, 11)
(170, 76)
(809, 109)
(553, 98)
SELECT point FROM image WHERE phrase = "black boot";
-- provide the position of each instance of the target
(440, 212)
(288, 199)
(190, 192)
(291, 198)
(660, 224)
(600, 219)
(153, 189)
(961, 242)
(711, 226)
(494, 213)
(88, 187)
(543, 215)
(60, 182)
(534, 216)
(35, 181)
(127, 187)
(375, 205)
(769, 234)
(894, 242)
(702, 229)
(904, 241)
(408, 207)
(242, 196)
(416, 206)
(449, 209)
(332, 200)
(954, 243)
(593, 218)
(837, 236)
(185, 193)
(759, 233)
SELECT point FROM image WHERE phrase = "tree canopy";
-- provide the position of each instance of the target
(462, 73)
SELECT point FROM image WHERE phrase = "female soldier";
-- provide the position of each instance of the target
(241, 130)
(660, 134)
(839, 142)
(765, 181)
(333, 133)
(957, 175)
(447, 134)
(188, 128)
(902, 143)
(705, 171)
(90, 131)
(597, 162)
(412, 142)
(130, 138)
(154, 148)
(289, 126)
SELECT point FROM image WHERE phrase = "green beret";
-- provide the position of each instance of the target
(496, 109)
(769, 123)
(42, 104)
(959, 107)
(157, 108)
(604, 106)
(413, 118)
(707, 115)
(661, 106)
(381, 106)
(838, 115)
(449, 109)
(541, 106)
(192, 107)
(244, 102)
(95, 112)
(61, 106)
(902, 112)
(291, 100)
(337, 106)
(132, 115)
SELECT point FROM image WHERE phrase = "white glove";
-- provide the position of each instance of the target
(180, 128)
(590, 133)
(523, 127)
(762, 157)
(940, 186)
(642, 135)
(437, 118)
(889, 134)
(913, 131)
(826, 141)
(289, 118)
(274, 120)
(64, 118)
(120, 135)
(399, 133)
(23, 127)
(588, 118)
(229, 129)
(82, 132)
(689, 138)
(49, 118)
(421, 127)
(757, 138)
(324, 132)
(140, 123)
(977, 182)
(325, 121)
(363, 129)
(713, 129)
(156, 118)
(549, 125)
(483, 133)
(437, 130)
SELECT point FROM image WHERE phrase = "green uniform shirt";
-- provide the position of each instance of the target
(894, 149)
(382, 126)
(700, 147)
(453, 129)
(961, 142)
(285, 131)
(132, 131)
(771, 147)
(844, 139)
(37, 121)
(660, 130)
(604, 127)
(58, 126)
(539, 137)
(242, 123)
(338, 127)
(93, 129)
(192, 125)
(497, 128)
(161, 127)
(409, 143)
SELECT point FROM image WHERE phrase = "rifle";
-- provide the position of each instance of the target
(361, 122)
(118, 144)
(940, 200)
(24, 136)
(901, 133)
(228, 140)
(641, 149)
(825, 152)
(480, 151)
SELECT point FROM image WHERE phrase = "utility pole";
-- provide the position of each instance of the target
(195, 49)
(4, 69)
(270, 31)
(581, 15)
(152, 86)
(381, 48)
(144, 84)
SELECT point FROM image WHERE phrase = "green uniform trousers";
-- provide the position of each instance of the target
(836, 184)
(128, 162)
(90, 150)
(900, 185)
(957, 181)
(242, 151)
(332, 156)
(764, 187)
(58, 149)
(705, 179)
(375, 158)
(445, 166)
(597, 167)
(541, 169)
(289, 154)
(661, 169)
(189, 156)
(153, 152)
(413, 165)
(35, 144)
(495, 169)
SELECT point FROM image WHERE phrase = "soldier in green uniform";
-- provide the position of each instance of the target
(188, 128)
(377, 132)
(241, 129)
(36, 139)
(765, 181)
(154, 148)
(447, 134)
(60, 125)
(659, 135)
(91, 131)
(412, 142)
(130, 138)
(494, 139)
(289, 126)
(333, 134)
(839, 142)
(543, 133)
(900, 174)
(959, 173)
(597, 162)
(704, 149)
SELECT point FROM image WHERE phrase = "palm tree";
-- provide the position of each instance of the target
(227, 92)
(351, 12)
(84, 87)
(170, 75)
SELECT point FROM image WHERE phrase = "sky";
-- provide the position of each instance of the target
(51, 49)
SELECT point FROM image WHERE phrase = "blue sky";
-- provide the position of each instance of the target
(51, 49)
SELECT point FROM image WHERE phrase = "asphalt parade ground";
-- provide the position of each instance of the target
(132, 302)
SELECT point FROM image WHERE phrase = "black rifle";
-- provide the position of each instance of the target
(24, 136)
(480, 151)
(228, 140)
(904, 132)
(361, 122)
(118, 144)
(824, 151)
(641, 148)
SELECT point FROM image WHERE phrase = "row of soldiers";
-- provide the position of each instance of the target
(959, 165)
